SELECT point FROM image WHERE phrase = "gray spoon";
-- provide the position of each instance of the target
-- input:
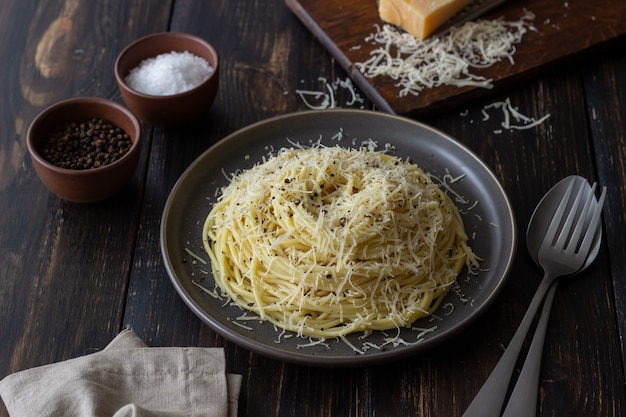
(569, 206)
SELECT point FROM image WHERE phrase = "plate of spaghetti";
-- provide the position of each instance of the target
(338, 237)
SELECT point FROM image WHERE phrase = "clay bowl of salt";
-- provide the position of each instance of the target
(169, 78)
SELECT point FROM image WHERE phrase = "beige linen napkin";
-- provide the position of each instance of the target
(127, 379)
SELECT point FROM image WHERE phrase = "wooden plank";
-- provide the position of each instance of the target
(605, 86)
(65, 279)
(564, 29)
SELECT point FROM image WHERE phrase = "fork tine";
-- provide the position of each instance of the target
(558, 216)
(564, 236)
(593, 225)
(581, 224)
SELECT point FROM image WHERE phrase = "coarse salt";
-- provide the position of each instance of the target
(169, 73)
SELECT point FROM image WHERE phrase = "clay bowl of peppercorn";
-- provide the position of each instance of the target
(169, 78)
(85, 149)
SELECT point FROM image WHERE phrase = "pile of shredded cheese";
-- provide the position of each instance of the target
(327, 241)
(446, 59)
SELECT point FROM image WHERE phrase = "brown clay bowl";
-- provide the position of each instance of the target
(175, 109)
(86, 185)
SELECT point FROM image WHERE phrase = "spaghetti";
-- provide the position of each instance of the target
(326, 241)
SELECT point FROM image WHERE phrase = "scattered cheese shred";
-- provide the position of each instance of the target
(508, 111)
(512, 118)
(327, 96)
(191, 253)
(446, 59)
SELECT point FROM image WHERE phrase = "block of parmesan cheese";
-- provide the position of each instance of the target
(419, 17)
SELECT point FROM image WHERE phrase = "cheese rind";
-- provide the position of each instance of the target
(419, 17)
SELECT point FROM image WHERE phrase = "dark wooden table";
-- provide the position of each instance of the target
(72, 276)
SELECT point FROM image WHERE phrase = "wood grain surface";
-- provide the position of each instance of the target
(72, 276)
(564, 30)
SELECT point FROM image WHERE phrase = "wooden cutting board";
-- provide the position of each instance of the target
(565, 28)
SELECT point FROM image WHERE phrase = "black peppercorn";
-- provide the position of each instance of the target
(84, 145)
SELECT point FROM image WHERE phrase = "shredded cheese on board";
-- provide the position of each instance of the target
(446, 59)
(327, 241)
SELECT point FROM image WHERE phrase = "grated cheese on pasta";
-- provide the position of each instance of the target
(329, 241)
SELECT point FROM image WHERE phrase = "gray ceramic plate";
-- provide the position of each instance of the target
(486, 211)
